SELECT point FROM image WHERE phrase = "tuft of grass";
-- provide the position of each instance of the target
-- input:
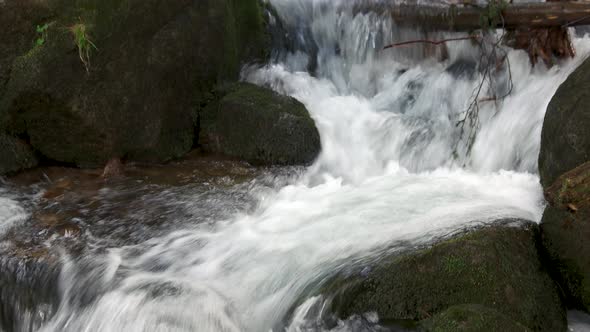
(84, 43)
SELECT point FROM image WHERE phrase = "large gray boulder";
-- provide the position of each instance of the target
(564, 166)
(565, 139)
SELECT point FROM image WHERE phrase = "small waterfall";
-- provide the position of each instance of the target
(389, 176)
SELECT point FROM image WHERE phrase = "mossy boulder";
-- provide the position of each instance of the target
(565, 230)
(497, 267)
(263, 127)
(565, 139)
(471, 318)
(15, 155)
(19, 19)
(135, 92)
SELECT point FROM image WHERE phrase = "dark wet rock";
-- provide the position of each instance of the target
(565, 230)
(262, 126)
(19, 19)
(135, 95)
(462, 68)
(471, 318)
(565, 139)
(498, 267)
(15, 155)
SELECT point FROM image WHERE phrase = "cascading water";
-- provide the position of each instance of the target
(394, 172)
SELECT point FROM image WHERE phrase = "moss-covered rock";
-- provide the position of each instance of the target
(565, 230)
(565, 139)
(471, 318)
(497, 267)
(133, 95)
(19, 19)
(15, 155)
(262, 126)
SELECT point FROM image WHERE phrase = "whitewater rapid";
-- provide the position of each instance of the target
(393, 172)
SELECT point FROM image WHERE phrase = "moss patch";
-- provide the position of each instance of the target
(262, 126)
(497, 267)
(471, 318)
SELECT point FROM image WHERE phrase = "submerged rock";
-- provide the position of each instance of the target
(123, 78)
(15, 155)
(565, 230)
(497, 267)
(471, 318)
(565, 139)
(463, 68)
(262, 126)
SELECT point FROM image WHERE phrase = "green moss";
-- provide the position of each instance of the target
(262, 126)
(497, 267)
(455, 264)
(471, 318)
(251, 35)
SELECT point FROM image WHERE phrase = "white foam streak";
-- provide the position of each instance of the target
(11, 214)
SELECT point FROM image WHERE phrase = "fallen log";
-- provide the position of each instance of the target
(469, 17)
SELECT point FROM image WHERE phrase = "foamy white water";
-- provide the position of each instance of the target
(11, 213)
(393, 172)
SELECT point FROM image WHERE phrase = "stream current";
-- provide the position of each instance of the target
(394, 172)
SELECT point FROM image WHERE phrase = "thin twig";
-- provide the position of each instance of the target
(432, 42)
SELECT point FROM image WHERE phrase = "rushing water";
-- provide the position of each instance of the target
(394, 171)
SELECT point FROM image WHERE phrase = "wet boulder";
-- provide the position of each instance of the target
(497, 267)
(15, 155)
(565, 139)
(565, 230)
(123, 78)
(264, 127)
(19, 21)
(471, 318)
